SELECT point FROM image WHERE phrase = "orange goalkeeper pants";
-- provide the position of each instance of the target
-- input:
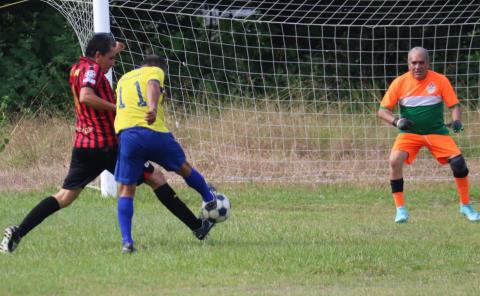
(442, 147)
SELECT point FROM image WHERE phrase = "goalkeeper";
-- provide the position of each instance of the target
(143, 136)
(421, 94)
(95, 145)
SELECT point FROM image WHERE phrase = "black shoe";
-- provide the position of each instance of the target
(128, 248)
(11, 239)
(202, 232)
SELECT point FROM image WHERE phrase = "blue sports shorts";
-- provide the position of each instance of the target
(138, 145)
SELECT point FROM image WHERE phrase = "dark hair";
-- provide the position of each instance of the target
(154, 60)
(102, 42)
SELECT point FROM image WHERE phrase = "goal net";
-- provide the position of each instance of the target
(287, 91)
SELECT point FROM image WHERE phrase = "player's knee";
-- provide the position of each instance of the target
(156, 179)
(459, 166)
(160, 178)
(395, 162)
(127, 190)
(185, 170)
(65, 197)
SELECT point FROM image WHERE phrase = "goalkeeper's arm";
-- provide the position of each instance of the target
(400, 123)
(386, 115)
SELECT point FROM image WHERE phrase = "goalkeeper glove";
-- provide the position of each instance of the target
(457, 126)
(402, 123)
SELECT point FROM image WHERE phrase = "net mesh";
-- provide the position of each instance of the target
(287, 91)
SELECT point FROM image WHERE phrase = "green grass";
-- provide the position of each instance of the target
(280, 240)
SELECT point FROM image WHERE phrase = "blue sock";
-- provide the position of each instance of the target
(197, 182)
(125, 214)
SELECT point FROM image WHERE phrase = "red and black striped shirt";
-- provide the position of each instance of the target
(93, 128)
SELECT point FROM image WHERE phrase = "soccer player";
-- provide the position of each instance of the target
(95, 145)
(143, 136)
(421, 94)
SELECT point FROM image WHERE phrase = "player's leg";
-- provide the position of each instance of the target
(168, 197)
(404, 150)
(175, 205)
(196, 181)
(397, 158)
(125, 215)
(168, 153)
(445, 150)
(129, 169)
(460, 173)
(81, 172)
(13, 234)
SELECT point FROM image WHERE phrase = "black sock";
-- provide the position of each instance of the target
(170, 200)
(396, 185)
(41, 211)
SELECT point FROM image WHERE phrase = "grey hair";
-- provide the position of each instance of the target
(420, 49)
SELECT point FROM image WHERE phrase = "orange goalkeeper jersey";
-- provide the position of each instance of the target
(421, 101)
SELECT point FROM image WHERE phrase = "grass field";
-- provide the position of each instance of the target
(327, 240)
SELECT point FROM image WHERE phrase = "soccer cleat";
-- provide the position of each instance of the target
(202, 232)
(11, 239)
(402, 215)
(469, 212)
(128, 248)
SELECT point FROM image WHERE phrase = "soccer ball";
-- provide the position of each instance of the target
(221, 212)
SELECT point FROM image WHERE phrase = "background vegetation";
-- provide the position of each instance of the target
(37, 47)
(347, 67)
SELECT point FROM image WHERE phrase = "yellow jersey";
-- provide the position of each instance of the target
(132, 100)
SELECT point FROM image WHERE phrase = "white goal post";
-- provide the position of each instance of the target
(101, 24)
(287, 91)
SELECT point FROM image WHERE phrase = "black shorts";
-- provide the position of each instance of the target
(87, 164)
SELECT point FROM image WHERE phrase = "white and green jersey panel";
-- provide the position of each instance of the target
(426, 112)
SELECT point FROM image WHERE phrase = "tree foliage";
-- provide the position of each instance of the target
(37, 46)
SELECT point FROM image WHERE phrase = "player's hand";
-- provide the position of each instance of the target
(119, 46)
(456, 126)
(403, 123)
(151, 116)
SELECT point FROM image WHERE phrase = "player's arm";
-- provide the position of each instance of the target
(401, 123)
(153, 94)
(451, 100)
(119, 46)
(386, 115)
(456, 113)
(456, 124)
(389, 101)
(89, 98)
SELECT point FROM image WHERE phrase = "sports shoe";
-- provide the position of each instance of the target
(128, 248)
(469, 212)
(402, 215)
(202, 232)
(11, 239)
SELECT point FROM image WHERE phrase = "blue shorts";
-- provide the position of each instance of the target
(138, 145)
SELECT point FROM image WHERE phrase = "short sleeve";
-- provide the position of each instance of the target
(155, 73)
(91, 77)
(390, 99)
(448, 93)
